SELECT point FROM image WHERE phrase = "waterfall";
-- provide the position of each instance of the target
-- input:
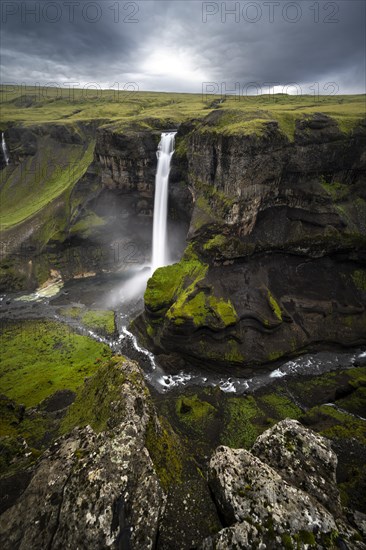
(5, 149)
(164, 154)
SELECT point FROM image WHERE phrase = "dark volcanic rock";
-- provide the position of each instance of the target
(280, 226)
(105, 222)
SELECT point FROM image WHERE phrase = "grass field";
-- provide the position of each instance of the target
(40, 357)
(242, 114)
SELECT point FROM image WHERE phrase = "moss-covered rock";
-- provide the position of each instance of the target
(168, 282)
(166, 452)
(202, 310)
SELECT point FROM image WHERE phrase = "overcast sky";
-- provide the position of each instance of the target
(172, 45)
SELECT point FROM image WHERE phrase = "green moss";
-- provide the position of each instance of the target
(213, 202)
(165, 450)
(181, 147)
(72, 312)
(359, 279)
(86, 225)
(14, 455)
(240, 429)
(274, 305)
(351, 489)
(357, 376)
(188, 307)
(41, 357)
(202, 310)
(355, 402)
(194, 413)
(336, 424)
(287, 541)
(10, 417)
(305, 537)
(329, 540)
(224, 310)
(274, 355)
(232, 122)
(50, 358)
(233, 353)
(38, 181)
(227, 351)
(93, 401)
(167, 282)
(336, 190)
(280, 407)
(101, 321)
(216, 242)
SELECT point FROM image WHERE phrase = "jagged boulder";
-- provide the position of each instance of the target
(303, 458)
(263, 502)
(94, 490)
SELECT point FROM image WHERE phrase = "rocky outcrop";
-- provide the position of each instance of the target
(302, 458)
(264, 500)
(123, 478)
(94, 489)
(279, 225)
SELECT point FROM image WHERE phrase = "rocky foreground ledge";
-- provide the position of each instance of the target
(281, 494)
(110, 485)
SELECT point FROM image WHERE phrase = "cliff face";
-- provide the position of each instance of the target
(276, 255)
(303, 180)
(86, 196)
(276, 262)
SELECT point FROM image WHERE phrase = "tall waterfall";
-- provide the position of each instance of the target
(164, 154)
(4, 148)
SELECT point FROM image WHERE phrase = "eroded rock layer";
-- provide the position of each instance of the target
(276, 260)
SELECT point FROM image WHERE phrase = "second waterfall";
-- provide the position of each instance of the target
(164, 154)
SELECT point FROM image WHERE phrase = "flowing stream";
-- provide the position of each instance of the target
(95, 292)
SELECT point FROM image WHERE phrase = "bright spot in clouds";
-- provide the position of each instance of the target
(176, 64)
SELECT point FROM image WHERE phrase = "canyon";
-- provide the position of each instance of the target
(100, 446)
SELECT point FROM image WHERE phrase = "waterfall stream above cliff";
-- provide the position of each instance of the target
(164, 154)
(5, 149)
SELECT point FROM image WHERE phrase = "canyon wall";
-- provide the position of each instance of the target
(276, 260)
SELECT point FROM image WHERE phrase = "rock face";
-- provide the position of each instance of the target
(101, 219)
(94, 490)
(280, 227)
(303, 458)
(264, 500)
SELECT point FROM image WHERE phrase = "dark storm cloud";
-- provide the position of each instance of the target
(176, 45)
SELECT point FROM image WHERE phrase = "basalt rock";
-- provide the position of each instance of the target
(94, 489)
(304, 459)
(101, 219)
(261, 500)
(280, 227)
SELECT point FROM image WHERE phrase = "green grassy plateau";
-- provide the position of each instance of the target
(50, 175)
(242, 114)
